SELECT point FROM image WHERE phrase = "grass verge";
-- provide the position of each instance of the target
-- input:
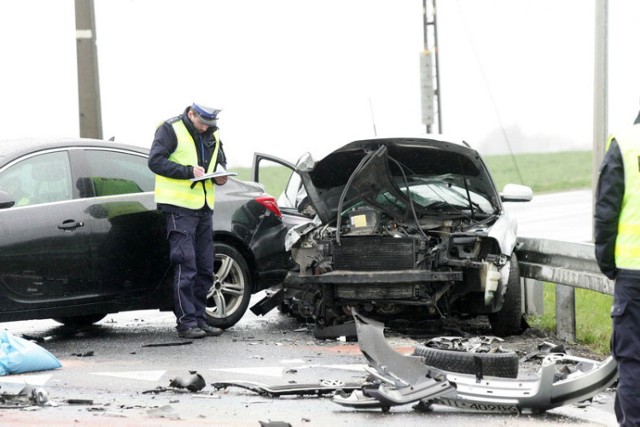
(593, 322)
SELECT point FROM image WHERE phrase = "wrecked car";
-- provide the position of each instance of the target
(400, 228)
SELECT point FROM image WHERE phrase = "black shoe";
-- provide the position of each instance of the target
(192, 333)
(211, 331)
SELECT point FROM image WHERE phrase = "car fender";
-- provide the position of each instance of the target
(505, 232)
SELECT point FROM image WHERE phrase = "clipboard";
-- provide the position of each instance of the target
(213, 175)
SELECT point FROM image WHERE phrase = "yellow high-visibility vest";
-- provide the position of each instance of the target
(627, 250)
(178, 192)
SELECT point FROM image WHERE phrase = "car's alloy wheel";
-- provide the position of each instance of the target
(228, 298)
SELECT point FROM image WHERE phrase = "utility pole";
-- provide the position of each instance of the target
(600, 90)
(600, 87)
(429, 69)
(565, 295)
(88, 80)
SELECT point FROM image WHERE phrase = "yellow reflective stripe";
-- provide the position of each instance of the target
(631, 260)
(628, 228)
(629, 250)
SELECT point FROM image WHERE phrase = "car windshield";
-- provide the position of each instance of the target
(442, 193)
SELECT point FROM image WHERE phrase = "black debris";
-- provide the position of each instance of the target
(195, 382)
(274, 424)
(168, 344)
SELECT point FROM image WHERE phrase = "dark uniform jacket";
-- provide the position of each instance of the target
(165, 143)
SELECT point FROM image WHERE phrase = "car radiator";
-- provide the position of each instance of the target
(374, 253)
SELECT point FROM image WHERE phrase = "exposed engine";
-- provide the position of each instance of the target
(385, 267)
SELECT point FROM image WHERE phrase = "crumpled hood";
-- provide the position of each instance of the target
(370, 170)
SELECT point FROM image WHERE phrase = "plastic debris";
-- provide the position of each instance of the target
(28, 397)
(18, 356)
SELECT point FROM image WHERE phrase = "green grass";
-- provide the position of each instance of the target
(274, 181)
(543, 172)
(593, 323)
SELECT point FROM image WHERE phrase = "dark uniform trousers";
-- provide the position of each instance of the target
(190, 237)
(625, 347)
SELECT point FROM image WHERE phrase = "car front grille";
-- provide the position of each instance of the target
(374, 253)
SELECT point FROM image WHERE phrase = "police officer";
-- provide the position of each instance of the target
(617, 246)
(186, 147)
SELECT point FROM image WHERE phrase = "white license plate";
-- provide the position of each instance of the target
(478, 406)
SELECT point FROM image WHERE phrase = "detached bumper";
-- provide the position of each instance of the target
(405, 379)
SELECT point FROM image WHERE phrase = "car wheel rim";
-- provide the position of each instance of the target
(225, 296)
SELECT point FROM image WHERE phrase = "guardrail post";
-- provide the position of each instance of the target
(533, 301)
(566, 313)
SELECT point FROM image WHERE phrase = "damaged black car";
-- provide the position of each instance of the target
(401, 228)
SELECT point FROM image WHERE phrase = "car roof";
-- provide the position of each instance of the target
(16, 147)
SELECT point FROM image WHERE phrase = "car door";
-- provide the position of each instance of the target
(129, 252)
(44, 249)
(280, 179)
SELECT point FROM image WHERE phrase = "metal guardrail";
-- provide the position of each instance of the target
(564, 263)
(569, 265)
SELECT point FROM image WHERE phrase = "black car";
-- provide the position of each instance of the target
(80, 236)
(410, 228)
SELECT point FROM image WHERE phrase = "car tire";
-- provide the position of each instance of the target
(80, 321)
(229, 297)
(508, 321)
(503, 365)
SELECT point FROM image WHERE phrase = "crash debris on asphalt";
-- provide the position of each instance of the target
(399, 380)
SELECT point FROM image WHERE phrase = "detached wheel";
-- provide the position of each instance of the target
(508, 321)
(80, 321)
(229, 297)
(503, 365)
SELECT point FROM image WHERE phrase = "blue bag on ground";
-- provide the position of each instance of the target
(18, 356)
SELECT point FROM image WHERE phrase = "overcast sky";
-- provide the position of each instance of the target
(298, 75)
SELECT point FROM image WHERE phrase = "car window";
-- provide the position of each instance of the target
(115, 172)
(274, 177)
(38, 179)
(294, 193)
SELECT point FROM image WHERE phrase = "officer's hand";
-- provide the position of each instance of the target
(198, 171)
(221, 180)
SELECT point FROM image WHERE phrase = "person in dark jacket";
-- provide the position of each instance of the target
(617, 250)
(184, 149)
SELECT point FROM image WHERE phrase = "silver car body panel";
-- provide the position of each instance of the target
(406, 379)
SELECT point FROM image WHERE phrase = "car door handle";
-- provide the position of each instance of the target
(70, 224)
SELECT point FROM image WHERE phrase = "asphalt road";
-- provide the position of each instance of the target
(119, 371)
(563, 216)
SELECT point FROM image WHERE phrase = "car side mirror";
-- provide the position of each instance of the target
(305, 163)
(6, 201)
(516, 193)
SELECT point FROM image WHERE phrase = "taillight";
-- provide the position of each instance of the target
(269, 203)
